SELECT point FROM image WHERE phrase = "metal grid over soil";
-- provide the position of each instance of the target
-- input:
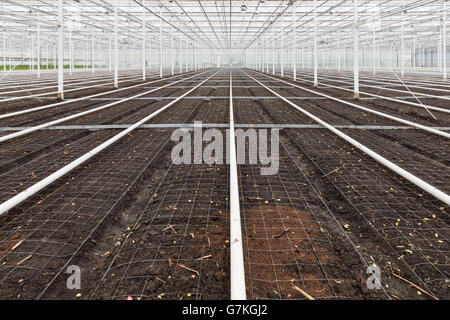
(144, 228)
(411, 225)
(75, 207)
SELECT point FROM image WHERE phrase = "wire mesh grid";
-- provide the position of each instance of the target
(435, 173)
(41, 236)
(413, 224)
(44, 233)
(289, 232)
(178, 246)
(389, 205)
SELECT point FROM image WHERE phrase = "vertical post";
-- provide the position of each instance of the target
(444, 40)
(38, 47)
(60, 50)
(295, 42)
(32, 53)
(92, 50)
(186, 62)
(70, 48)
(355, 50)
(282, 51)
(374, 52)
(143, 41)
(315, 45)
(110, 54)
(4, 50)
(339, 52)
(180, 53)
(172, 51)
(273, 49)
(414, 51)
(116, 47)
(402, 51)
(160, 43)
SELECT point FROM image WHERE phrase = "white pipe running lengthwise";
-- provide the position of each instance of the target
(27, 193)
(387, 116)
(405, 174)
(77, 115)
(237, 277)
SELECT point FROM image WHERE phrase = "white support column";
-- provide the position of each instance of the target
(180, 53)
(282, 51)
(110, 54)
(355, 50)
(38, 47)
(186, 61)
(402, 51)
(4, 50)
(339, 52)
(414, 51)
(160, 43)
(92, 51)
(316, 83)
(273, 49)
(143, 42)
(172, 52)
(294, 15)
(32, 53)
(60, 50)
(444, 40)
(71, 64)
(267, 52)
(374, 52)
(116, 47)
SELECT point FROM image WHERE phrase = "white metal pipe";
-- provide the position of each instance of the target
(315, 54)
(444, 40)
(273, 49)
(116, 47)
(24, 195)
(392, 166)
(143, 41)
(4, 50)
(237, 274)
(50, 93)
(374, 52)
(60, 50)
(339, 52)
(160, 42)
(402, 51)
(172, 51)
(425, 106)
(38, 46)
(77, 115)
(355, 50)
(70, 48)
(282, 51)
(110, 54)
(92, 51)
(387, 116)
